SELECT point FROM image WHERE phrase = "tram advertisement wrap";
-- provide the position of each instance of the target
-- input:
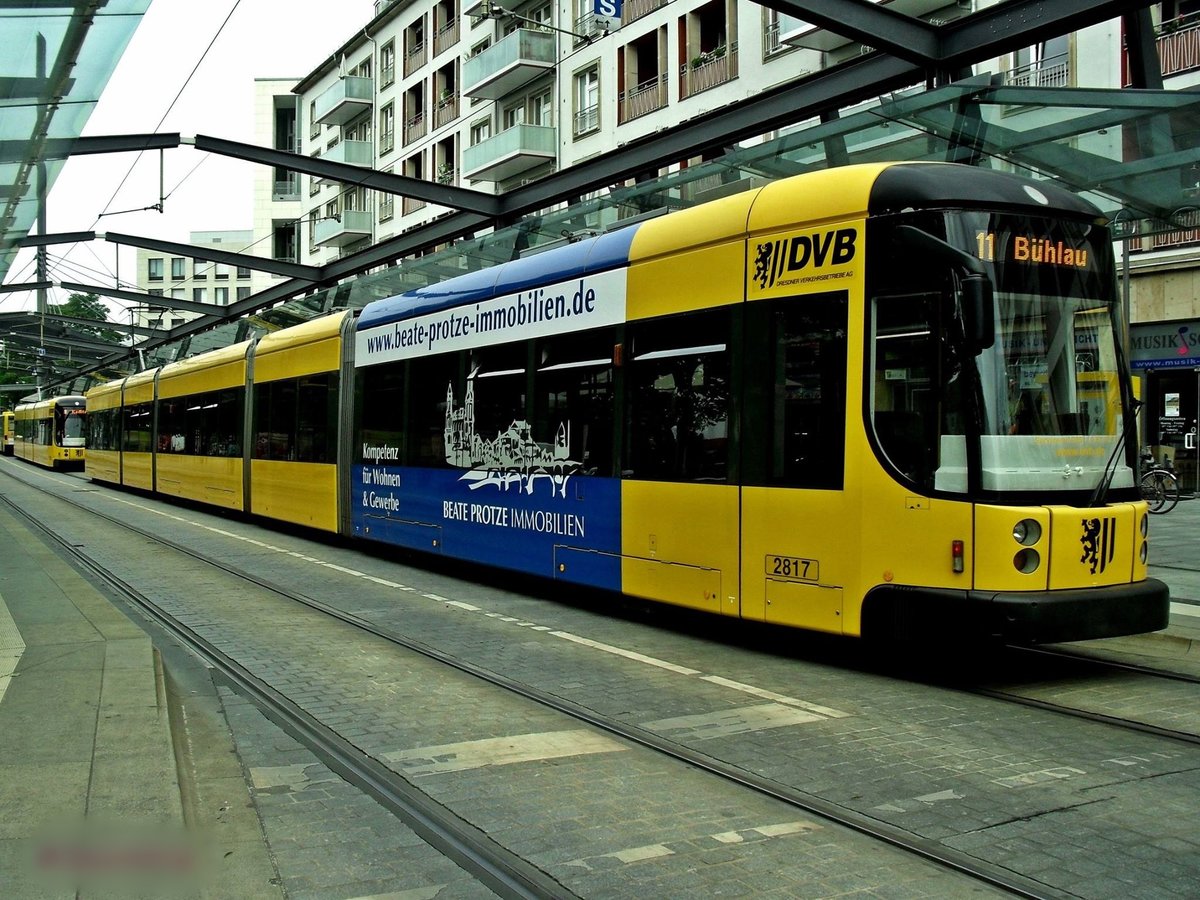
(589, 301)
(567, 526)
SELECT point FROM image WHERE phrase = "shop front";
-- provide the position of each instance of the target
(1166, 356)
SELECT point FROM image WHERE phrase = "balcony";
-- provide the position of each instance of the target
(446, 37)
(707, 71)
(352, 153)
(446, 110)
(510, 153)
(645, 98)
(348, 98)
(509, 65)
(287, 188)
(351, 226)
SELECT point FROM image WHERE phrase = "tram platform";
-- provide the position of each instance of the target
(88, 783)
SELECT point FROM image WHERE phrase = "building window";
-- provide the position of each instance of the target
(513, 116)
(198, 295)
(154, 268)
(387, 64)
(220, 271)
(386, 203)
(387, 128)
(199, 273)
(221, 296)
(156, 292)
(480, 131)
(243, 292)
(177, 268)
(587, 100)
(178, 293)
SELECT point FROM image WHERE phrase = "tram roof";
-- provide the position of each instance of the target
(594, 254)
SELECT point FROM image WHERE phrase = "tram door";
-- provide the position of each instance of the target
(795, 543)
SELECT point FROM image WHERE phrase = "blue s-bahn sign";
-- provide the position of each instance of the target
(607, 13)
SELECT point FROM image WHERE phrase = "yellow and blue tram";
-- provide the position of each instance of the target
(8, 418)
(884, 398)
(51, 432)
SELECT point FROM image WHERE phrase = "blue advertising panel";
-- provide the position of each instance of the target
(553, 525)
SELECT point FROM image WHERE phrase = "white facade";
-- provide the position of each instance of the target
(186, 278)
(277, 192)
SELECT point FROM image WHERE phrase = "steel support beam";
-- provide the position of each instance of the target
(1014, 24)
(876, 26)
(204, 309)
(65, 237)
(245, 260)
(417, 188)
(26, 286)
(61, 148)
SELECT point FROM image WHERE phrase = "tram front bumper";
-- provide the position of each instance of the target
(1019, 617)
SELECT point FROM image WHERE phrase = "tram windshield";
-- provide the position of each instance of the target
(1043, 398)
(71, 431)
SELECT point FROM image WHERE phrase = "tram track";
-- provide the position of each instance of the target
(1086, 669)
(494, 865)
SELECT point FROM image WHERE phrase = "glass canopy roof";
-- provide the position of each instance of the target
(58, 57)
(1135, 154)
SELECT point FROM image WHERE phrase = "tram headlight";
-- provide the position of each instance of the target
(1027, 532)
(1145, 526)
(1027, 560)
(1144, 553)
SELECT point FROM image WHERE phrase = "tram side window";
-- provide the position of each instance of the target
(380, 403)
(677, 398)
(437, 406)
(573, 398)
(104, 430)
(794, 424)
(223, 424)
(139, 420)
(316, 418)
(495, 427)
(295, 417)
(208, 424)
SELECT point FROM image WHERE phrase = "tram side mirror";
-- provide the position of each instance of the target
(978, 312)
(974, 287)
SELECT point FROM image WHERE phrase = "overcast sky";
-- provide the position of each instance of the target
(261, 39)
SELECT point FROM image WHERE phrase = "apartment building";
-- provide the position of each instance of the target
(278, 197)
(490, 94)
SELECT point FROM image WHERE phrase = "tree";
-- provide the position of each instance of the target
(86, 306)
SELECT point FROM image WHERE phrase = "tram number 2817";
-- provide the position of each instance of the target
(793, 567)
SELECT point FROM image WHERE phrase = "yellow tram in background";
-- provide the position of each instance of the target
(883, 399)
(8, 417)
(51, 432)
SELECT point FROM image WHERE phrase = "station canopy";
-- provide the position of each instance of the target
(58, 58)
(1135, 153)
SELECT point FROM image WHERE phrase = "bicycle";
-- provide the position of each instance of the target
(1160, 488)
